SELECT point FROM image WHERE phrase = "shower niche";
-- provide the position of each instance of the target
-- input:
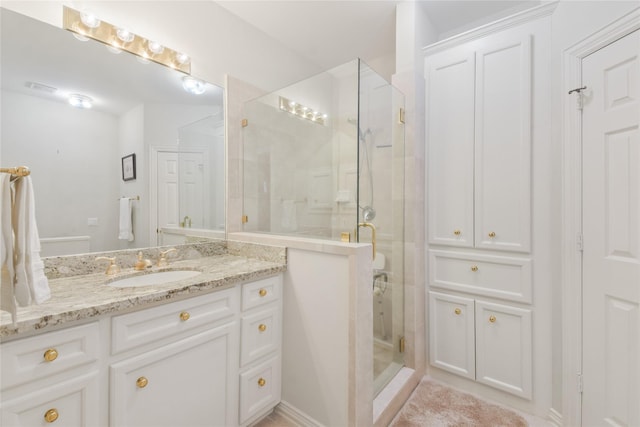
(324, 159)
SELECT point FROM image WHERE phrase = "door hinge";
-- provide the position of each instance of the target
(244, 123)
(245, 219)
(401, 345)
(580, 385)
(401, 116)
(579, 242)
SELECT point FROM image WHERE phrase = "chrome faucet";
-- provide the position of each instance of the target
(373, 235)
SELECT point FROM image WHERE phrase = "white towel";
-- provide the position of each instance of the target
(289, 217)
(31, 284)
(7, 300)
(126, 227)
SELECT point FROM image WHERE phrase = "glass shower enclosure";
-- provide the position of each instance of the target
(324, 159)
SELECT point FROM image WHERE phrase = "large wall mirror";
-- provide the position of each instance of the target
(80, 159)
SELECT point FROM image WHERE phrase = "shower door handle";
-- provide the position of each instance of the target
(373, 235)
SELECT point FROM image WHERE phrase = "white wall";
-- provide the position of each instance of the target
(70, 186)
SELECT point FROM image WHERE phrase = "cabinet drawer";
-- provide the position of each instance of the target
(33, 358)
(495, 276)
(452, 334)
(259, 388)
(145, 326)
(261, 292)
(503, 348)
(70, 403)
(260, 334)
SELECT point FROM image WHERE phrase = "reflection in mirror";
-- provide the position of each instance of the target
(75, 154)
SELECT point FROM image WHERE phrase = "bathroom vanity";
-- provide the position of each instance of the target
(205, 350)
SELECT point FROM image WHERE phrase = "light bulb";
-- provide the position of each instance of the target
(155, 47)
(125, 35)
(182, 58)
(89, 19)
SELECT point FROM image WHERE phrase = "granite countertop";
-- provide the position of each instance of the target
(84, 296)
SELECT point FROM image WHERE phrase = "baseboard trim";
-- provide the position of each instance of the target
(296, 416)
(555, 417)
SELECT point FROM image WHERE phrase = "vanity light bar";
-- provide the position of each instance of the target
(301, 111)
(87, 25)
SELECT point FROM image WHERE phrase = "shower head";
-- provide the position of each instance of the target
(368, 213)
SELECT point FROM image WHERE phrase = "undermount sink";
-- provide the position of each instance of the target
(159, 278)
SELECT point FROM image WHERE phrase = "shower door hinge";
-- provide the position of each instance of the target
(245, 219)
(401, 345)
(244, 123)
(401, 116)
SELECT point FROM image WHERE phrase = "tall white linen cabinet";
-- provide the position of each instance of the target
(488, 197)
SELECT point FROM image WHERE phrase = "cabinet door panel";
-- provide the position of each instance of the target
(75, 403)
(450, 134)
(451, 334)
(503, 145)
(503, 347)
(187, 383)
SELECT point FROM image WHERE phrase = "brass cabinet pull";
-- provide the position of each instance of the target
(457, 232)
(262, 327)
(262, 292)
(457, 311)
(51, 415)
(142, 382)
(492, 234)
(51, 355)
(262, 382)
(184, 316)
(474, 268)
(492, 319)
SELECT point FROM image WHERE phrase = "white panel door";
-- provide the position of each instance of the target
(450, 134)
(168, 179)
(611, 228)
(503, 144)
(192, 190)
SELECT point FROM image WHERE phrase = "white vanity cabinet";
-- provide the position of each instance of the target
(185, 380)
(53, 377)
(479, 143)
(483, 341)
(260, 349)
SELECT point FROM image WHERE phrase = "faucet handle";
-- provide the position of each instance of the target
(113, 268)
(162, 260)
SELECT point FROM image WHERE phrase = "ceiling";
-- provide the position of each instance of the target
(332, 32)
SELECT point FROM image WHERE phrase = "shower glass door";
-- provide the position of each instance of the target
(381, 208)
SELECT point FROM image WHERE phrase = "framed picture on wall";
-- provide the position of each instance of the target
(129, 167)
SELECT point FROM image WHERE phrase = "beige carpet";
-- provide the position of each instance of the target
(435, 405)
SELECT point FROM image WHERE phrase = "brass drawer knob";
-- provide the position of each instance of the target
(457, 311)
(262, 327)
(184, 316)
(492, 319)
(262, 292)
(142, 382)
(492, 234)
(51, 355)
(474, 268)
(51, 415)
(457, 232)
(262, 382)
